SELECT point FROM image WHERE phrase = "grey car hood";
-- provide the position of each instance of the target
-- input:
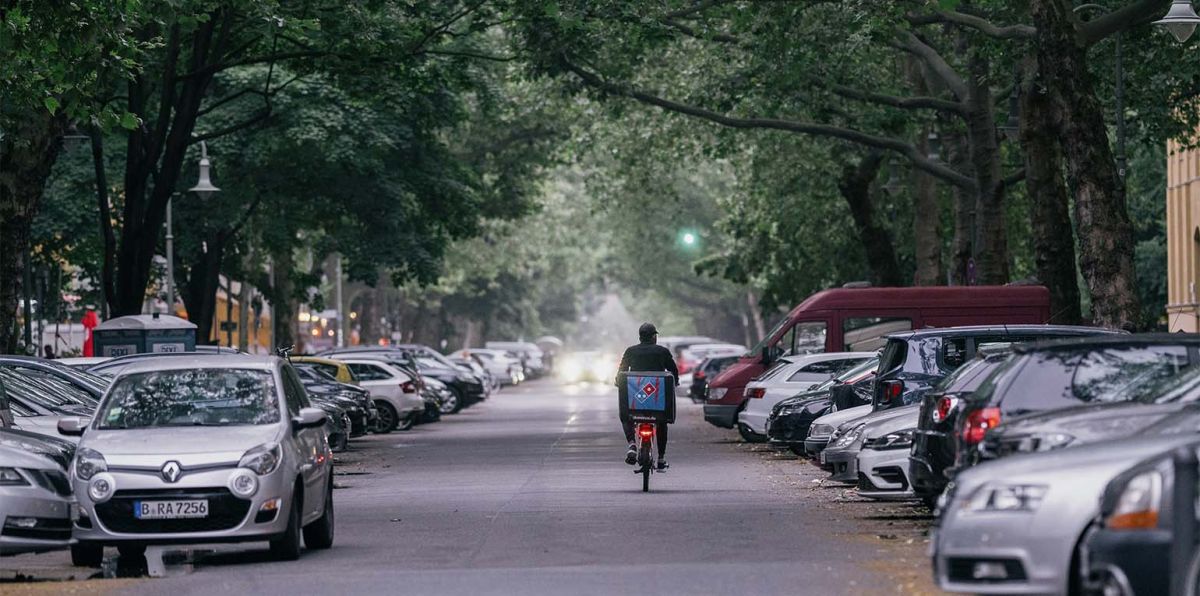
(890, 421)
(194, 444)
(19, 458)
(841, 417)
(1091, 423)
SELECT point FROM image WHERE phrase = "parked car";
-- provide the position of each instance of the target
(791, 420)
(841, 456)
(467, 388)
(790, 376)
(856, 319)
(397, 395)
(1066, 373)
(933, 448)
(913, 362)
(710, 367)
(317, 380)
(35, 499)
(528, 353)
(1011, 526)
(36, 404)
(678, 345)
(39, 367)
(1129, 548)
(202, 449)
(831, 428)
(475, 367)
(335, 369)
(498, 363)
(438, 400)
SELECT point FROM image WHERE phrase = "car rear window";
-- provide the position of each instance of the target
(1064, 378)
(969, 376)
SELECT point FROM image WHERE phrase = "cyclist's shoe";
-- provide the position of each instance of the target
(662, 464)
(631, 454)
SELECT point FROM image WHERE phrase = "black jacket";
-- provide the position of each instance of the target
(647, 357)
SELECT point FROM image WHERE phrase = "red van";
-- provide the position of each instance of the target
(857, 319)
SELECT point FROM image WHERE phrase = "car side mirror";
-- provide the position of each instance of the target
(71, 427)
(307, 418)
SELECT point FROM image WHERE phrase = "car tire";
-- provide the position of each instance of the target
(453, 403)
(87, 554)
(338, 442)
(799, 451)
(387, 420)
(319, 534)
(748, 435)
(287, 546)
(407, 422)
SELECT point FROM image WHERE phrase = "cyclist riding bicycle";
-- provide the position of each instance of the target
(646, 356)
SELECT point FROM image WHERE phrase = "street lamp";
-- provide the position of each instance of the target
(1181, 20)
(204, 188)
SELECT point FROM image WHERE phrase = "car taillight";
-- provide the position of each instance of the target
(646, 430)
(892, 390)
(408, 387)
(978, 423)
(945, 406)
(757, 392)
(699, 375)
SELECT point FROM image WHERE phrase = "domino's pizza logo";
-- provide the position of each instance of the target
(646, 393)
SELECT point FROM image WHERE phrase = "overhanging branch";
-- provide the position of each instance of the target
(908, 103)
(912, 153)
(979, 24)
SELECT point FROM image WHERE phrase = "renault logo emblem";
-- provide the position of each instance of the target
(171, 470)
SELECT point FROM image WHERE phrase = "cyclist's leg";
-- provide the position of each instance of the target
(627, 426)
(661, 435)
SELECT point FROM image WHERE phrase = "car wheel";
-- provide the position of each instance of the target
(407, 422)
(451, 404)
(319, 534)
(387, 420)
(87, 554)
(287, 546)
(338, 442)
(748, 435)
(798, 451)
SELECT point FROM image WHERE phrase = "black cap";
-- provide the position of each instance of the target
(647, 331)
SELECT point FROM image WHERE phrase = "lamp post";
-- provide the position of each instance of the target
(1181, 20)
(204, 189)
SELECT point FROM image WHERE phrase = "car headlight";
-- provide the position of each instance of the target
(102, 487)
(243, 484)
(11, 477)
(897, 440)
(1138, 506)
(1051, 441)
(88, 463)
(850, 437)
(1006, 498)
(716, 393)
(820, 430)
(262, 460)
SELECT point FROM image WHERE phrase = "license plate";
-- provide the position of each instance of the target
(821, 458)
(170, 509)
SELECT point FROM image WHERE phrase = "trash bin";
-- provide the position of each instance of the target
(647, 395)
(142, 334)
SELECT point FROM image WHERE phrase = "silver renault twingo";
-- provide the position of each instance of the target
(204, 449)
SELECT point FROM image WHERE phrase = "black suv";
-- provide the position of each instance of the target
(914, 361)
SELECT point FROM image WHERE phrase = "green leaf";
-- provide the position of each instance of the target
(129, 121)
(948, 4)
(51, 104)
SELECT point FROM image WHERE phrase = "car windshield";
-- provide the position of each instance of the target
(1066, 377)
(766, 340)
(1183, 388)
(191, 397)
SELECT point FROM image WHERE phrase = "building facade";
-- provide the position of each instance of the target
(1183, 238)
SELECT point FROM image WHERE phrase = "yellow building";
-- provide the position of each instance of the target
(1183, 238)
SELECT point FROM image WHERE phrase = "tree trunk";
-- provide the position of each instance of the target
(27, 153)
(283, 299)
(1050, 219)
(1101, 216)
(755, 311)
(927, 224)
(991, 254)
(200, 291)
(855, 186)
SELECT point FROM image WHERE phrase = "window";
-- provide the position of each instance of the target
(294, 394)
(1063, 378)
(894, 355)
(866, 334)
(328, 369)
(191, 397)
(369, 372)
(826, 368)
(808, 337)
(953, 353)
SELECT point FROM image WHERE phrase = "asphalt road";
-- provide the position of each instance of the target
(528, 494)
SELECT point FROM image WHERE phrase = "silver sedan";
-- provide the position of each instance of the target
(35, 501)
(203, 449)
(1010, 526)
